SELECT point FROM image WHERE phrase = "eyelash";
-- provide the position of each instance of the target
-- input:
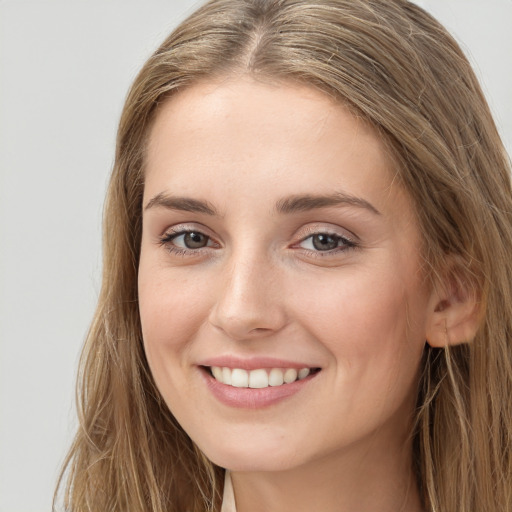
(167, 241)
(346, 244)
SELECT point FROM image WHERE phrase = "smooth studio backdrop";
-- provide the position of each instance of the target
(65, 67)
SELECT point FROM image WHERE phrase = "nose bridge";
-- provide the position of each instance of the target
(248, 302)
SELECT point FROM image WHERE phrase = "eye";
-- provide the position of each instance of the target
(186, 240)
(190, 240)
(325, 242)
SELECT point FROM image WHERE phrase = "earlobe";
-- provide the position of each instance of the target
(454, 315)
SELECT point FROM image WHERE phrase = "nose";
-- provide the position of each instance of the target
(249, 303)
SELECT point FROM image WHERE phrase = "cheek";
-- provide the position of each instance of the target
(359, 307)
(372, 324)
(170, 306)
(171, 311)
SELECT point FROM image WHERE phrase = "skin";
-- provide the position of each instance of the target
(259, 287)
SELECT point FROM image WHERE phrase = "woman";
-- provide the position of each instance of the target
(307, 278)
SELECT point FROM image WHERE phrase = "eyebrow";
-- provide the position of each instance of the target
(307, 202)
(184, 204)
(287, 205)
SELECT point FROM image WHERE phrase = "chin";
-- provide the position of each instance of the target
(255, 458)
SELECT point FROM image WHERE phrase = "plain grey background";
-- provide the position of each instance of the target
(65, 67)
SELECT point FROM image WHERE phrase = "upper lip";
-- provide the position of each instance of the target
(254, 363)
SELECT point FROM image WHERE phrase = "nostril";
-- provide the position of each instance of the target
(247, 324)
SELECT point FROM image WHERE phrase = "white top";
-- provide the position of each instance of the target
(228, 499)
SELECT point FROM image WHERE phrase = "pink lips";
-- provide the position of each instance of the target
(250, 398)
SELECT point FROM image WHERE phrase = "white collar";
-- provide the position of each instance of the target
(228, 498)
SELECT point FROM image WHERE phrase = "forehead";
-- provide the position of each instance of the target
(242, 135)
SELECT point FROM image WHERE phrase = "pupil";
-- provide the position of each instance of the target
(195, 240)
(325, 242)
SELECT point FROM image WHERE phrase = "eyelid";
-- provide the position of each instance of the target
(184, 227)
(345, 245)
(172, 237)
(327, 229)
(346, 239)
(172, 232)
(187, 227)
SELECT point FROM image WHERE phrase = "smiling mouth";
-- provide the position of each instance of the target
(259, 378)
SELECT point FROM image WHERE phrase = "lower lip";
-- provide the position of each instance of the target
(251, 398)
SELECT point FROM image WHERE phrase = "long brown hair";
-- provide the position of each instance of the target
(397, 67)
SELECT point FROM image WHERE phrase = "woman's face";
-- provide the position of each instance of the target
(279, 252)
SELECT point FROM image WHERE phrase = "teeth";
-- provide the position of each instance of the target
(257, 379)
(303, 373)
(217, 373)
(275, 377)
(226, 376)
(290, 375)
(239, 378)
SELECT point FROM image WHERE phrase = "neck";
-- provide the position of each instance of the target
(340, 482)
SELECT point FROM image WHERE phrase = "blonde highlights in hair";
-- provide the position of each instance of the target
(398, 68)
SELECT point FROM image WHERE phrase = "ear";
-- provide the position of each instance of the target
(454, 309)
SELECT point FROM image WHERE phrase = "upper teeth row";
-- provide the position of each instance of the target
(260, 378)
